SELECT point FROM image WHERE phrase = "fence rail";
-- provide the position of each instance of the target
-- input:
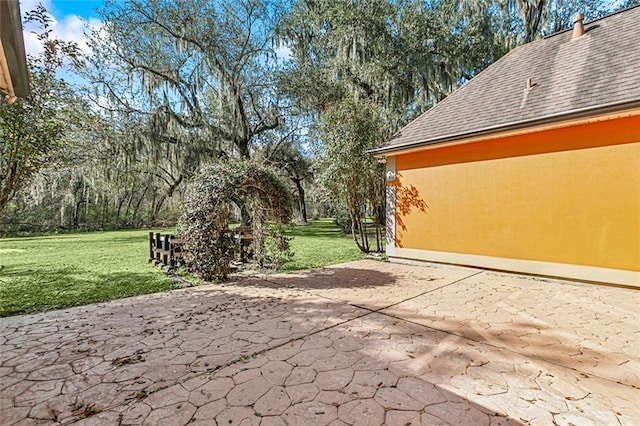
(165, 250)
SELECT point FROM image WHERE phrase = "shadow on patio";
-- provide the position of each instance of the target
(279, 351)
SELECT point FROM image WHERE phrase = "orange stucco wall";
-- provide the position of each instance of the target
(569, 195)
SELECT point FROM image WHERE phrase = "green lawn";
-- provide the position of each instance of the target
(40, 273)
(319, 243)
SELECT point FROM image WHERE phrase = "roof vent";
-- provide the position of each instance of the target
(578, 28)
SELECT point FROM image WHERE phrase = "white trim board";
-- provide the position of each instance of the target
(391, 207)
(561, 270)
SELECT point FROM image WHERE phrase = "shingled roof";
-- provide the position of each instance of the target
(596, 72)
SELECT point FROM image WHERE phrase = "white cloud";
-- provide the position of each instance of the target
(73, 28)
(283, 52)
(70, 28)
(31, 44)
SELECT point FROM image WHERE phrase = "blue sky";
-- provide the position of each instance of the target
(82, 8)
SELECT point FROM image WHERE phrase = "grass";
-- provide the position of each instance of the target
(41, 273)
(319, 243)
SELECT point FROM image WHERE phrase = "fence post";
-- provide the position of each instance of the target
(158, 246)
(172, 260)
(165, 250)
(151, 247)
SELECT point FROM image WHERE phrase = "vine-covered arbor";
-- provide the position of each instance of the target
(204, 223)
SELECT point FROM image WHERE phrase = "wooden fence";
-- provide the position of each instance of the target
(166, 249)
(243, 237)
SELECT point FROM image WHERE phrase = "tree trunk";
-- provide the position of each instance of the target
(357, 234)
(120, 203)
(532, 16)
(76, 213)
(245, 217)
(302, 205)
(137, 206)
(105, 210)
(363, 234)
(126, 212)
(157, 207)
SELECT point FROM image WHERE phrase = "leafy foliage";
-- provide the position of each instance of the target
(32, 128)
(176, 84)
(287, 158)
(204, 224)
(348, 172)
(403, 55)
(523, 21)
(97, 182)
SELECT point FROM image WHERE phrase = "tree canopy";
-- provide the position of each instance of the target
(199, 70)
(33, 128)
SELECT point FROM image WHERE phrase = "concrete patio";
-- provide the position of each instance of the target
(360, 343)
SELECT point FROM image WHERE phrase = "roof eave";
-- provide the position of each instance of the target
(12, 49)
(518, 125)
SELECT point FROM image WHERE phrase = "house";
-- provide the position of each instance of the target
(14, 78)
(533, 165)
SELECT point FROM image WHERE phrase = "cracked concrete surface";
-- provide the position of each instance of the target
(360, 343)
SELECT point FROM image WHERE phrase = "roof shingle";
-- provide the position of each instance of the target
(599, 69)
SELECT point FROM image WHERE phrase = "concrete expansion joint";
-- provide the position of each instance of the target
(429, 291)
